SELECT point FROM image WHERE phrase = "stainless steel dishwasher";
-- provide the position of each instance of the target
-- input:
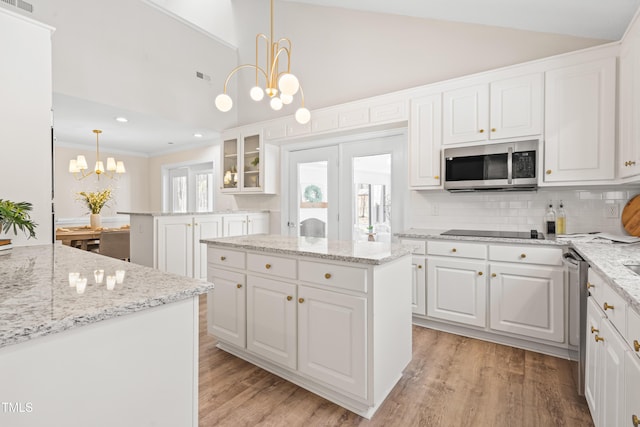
(578, 270)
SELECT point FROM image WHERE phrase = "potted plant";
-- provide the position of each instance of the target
(15, 216)
(372, 235)
(95, 201)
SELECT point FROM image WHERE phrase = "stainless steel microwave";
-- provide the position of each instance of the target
(498, 167)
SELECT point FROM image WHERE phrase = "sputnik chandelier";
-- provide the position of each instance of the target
(78, 166)
(282, 82)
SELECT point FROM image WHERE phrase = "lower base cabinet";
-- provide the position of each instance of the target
(226, 314)
(631, 416)
(419, 285)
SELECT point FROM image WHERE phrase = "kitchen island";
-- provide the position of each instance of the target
(90, 340)
(333, 317)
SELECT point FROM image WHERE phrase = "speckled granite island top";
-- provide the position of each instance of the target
(337, 250)
(421, 233)
(610, 260)
(36, 298)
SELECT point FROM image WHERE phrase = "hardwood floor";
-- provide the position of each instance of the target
(451, 381)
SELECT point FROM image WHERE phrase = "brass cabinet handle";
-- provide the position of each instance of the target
(195, 224)
(300, 300)
(626, 163)
(632, 163)
(436, 177)
(222, 258)
(523, 256)
(481, 130)
(238, 286)
(289, 297)
(419, 266)
(594, 330)
(480, 273)
(599, 338)
(188, 225)
(636, 345)
(267, 266)
(607, 306)
(327, 276)
(589, 285)
(548, 171)
(493, 274)
(454, 250)
(635, 420)
(493, 129)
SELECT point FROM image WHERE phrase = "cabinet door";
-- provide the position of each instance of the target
(580, 122)
(418, 285)
(612, 397)
(332, 339)
(425, 141)
(627, 143)
(527, 300)
(593, 364)
(258, 223)
(466, 114)
(271, 320)
(516, 107)
(175, 245)
(457, 291)
(204, 227)
(226, 309)
(632, 390)
(250, 163)
(234, 225)
(230, 164)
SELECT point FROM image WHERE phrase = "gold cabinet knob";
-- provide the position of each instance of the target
(599, 338)
(607, 306)
(327, 276)
(589, 285)
(480, 273)
(300, 300)
(548, 171)
(635, 420)
(523, 256)
(436, 177)
(632, 163)
(493, 129)
(238, 286)
(481, 130)
(594, 330)
(289, 297)
(454, 250)
(188, 225)
(222, 258)
(626, 163)
(196, 224)
(636, 345)
(419, 266)
(493, 274)
(267, 266)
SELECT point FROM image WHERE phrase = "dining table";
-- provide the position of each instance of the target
(82, 237)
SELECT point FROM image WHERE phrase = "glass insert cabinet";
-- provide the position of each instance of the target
(248, 164)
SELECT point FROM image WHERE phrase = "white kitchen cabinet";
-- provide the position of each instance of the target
(425, 141)
(258, 223)
(204, 227)
(629, 114)
(272, 320)
(332, 341)
(418, 284)
(175, 245)
(580, 126)
(249, 165)
(593, 358)
(612, 370)
(631, 414)
(245, 224)
(505, 108)
(457, 290)
(226, 306)
(528, 300)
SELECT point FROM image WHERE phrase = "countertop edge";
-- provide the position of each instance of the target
(194, 213)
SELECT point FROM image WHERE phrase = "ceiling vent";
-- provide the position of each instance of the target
(28, 7)
(11, 2)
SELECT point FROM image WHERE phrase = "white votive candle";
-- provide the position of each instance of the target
(98, 275)
(119, 276)
(72, 279)
(111, 282)
(81, 285)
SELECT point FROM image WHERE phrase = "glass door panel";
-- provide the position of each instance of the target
(230, 164)
(372, 197)
(313, 213)
(251, 157)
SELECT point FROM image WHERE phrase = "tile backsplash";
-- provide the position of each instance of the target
(587, 210)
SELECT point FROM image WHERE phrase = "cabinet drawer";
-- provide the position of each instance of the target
(526, 254)
(225, 257)
(457, 249)
(633, 330)
(615, 308)
(272, 265)
(595, 284)
(214, 273)
(417, 246)
(340, 276)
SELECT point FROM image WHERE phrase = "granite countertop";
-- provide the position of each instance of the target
(158, 213)
(336, 250)
(609, 260)
(420, 233)
(37, 300)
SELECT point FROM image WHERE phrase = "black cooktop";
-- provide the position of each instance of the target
(489, 233)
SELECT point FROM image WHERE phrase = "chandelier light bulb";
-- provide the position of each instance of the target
(81, 162)
(276, 103)
(286, 99)
(303, 115)
(288, 84)
(224, 102)
(256, 93)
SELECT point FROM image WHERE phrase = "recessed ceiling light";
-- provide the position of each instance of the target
(170, 143)
(122, 119)
(198, 135)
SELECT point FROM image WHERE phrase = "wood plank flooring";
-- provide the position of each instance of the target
(451, 381)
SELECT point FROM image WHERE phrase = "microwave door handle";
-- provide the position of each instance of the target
(510, 165)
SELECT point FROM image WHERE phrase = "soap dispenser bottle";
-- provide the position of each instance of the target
(561, 221)
(550, 221)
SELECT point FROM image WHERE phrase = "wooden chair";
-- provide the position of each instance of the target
(115, 244)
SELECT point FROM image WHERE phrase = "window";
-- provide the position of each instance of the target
(189, 188)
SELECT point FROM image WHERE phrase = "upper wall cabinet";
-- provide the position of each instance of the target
(580, 128)
(425, 140)
(629, 133)
(248, 164)
(505, 108)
